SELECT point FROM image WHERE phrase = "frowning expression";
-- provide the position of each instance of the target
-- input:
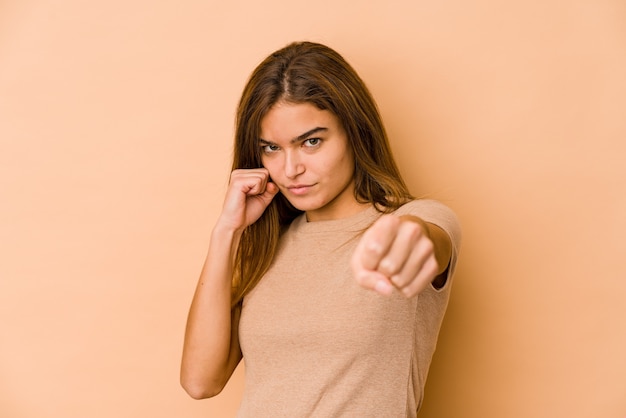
(306, 152)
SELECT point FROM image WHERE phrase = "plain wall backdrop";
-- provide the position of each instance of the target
(116, 124)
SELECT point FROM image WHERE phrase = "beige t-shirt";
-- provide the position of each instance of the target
(316, 344)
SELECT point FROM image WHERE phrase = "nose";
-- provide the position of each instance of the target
(293, 165)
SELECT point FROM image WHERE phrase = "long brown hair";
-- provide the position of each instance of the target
(312, 73)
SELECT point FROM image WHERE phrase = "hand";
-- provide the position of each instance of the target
(395, 253)
(248, 195)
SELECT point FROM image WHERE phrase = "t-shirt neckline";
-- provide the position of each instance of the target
(356, 221)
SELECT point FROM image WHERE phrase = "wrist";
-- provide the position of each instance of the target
(226, 227)
(223, 232)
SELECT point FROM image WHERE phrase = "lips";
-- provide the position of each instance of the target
(299, 189)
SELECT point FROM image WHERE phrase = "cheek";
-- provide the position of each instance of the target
(338, 170)
(271, 164)
(345, 165)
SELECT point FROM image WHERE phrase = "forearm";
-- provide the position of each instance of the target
(211, 349)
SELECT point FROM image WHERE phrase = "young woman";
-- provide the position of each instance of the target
(323, 272)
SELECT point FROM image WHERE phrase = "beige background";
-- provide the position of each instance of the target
(115, 140)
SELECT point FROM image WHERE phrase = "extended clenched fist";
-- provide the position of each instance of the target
(395, 252)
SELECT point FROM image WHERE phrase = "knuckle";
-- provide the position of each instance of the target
(429, 247)
(433, 266)
(374, 247)
(398, 281)
(412, 230)
(388, 266)
(387, 221)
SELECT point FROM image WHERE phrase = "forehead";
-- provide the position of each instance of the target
(286, 121)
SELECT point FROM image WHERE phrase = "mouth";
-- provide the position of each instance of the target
(299, 189)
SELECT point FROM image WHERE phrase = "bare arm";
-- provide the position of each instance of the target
(211, 349)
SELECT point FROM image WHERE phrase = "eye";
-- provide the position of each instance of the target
(270, 148)
(312, 142)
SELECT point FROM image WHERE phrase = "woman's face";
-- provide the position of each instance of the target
(307, 155)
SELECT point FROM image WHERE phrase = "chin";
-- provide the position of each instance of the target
(304, 206)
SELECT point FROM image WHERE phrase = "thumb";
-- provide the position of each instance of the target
(271, 190)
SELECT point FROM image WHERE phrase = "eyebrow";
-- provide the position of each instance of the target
(301, 137)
